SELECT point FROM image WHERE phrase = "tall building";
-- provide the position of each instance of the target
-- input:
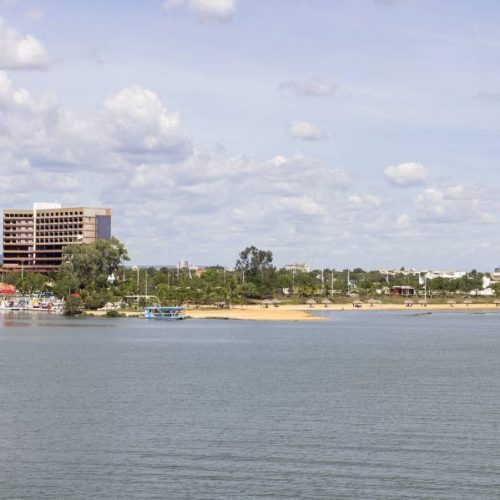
(33, 240)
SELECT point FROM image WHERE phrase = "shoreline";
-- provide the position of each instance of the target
(307, 313)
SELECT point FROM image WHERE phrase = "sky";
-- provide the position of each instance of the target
(339, 133)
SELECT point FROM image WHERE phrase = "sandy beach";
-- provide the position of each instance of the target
(307, 313)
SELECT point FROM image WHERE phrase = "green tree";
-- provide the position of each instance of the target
(31, 283)
(256, 267)
(253, 261)
(90, 265)
(73, 306)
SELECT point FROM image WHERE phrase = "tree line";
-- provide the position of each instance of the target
(92, 275)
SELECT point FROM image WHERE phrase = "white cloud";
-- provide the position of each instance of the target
(133, 155)
(306, 131)
(402, 222)
(208, 10)
(133, 126)
(298, 204)
(307, 88)
(366, 200)
(19, 178)
(456, 203)
(278, 161)
(139, 124)
(406, 174)
(231, 200)
(21, 52)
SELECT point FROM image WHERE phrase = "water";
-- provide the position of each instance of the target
(366, 405)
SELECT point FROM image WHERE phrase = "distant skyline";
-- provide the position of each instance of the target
(341, 133)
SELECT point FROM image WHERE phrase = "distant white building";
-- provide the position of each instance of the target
(495, 275)
(452, 275)
(298, 268)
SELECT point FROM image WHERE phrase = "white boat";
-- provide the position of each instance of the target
(164, 312)
(32, 303)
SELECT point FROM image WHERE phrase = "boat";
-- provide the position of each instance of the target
(31, 303)
(164, 312)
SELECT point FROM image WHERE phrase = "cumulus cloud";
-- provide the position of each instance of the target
(233, 197)
(19, 178)
(306, 131)
(299, 204)
(313, 88)
(132, 154)
(21, 52)
(455, 203)
(406, 174)
(363, 200)
(402, 221)
(143, 165)
(139, 124)
(208, 10)
(132, 126)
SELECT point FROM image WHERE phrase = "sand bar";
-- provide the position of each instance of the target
(289, 312)
(306, 313)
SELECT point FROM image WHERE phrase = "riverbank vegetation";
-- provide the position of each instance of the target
(93, 275)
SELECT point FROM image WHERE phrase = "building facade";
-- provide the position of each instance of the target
(33, 240)
(298, 268)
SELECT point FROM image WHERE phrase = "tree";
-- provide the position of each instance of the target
(253, 261)
(256, 266)
(88, 266)
(31, 282)
(73, 306)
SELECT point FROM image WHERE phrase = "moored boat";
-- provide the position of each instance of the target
(164, 312)
(31, 303)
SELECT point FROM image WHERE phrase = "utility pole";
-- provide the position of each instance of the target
(136, 268)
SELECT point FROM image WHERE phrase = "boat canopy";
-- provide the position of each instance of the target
(164, 308)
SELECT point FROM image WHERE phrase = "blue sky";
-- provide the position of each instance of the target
(341, 133)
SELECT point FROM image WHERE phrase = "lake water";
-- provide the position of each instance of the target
(365, 405)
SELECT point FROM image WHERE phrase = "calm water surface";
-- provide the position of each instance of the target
(365, 405)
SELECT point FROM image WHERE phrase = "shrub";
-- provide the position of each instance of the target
(73, 307)
(113, 313)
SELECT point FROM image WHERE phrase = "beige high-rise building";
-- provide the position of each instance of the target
(33, 240)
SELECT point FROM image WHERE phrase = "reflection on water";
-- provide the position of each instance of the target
(367, 405)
